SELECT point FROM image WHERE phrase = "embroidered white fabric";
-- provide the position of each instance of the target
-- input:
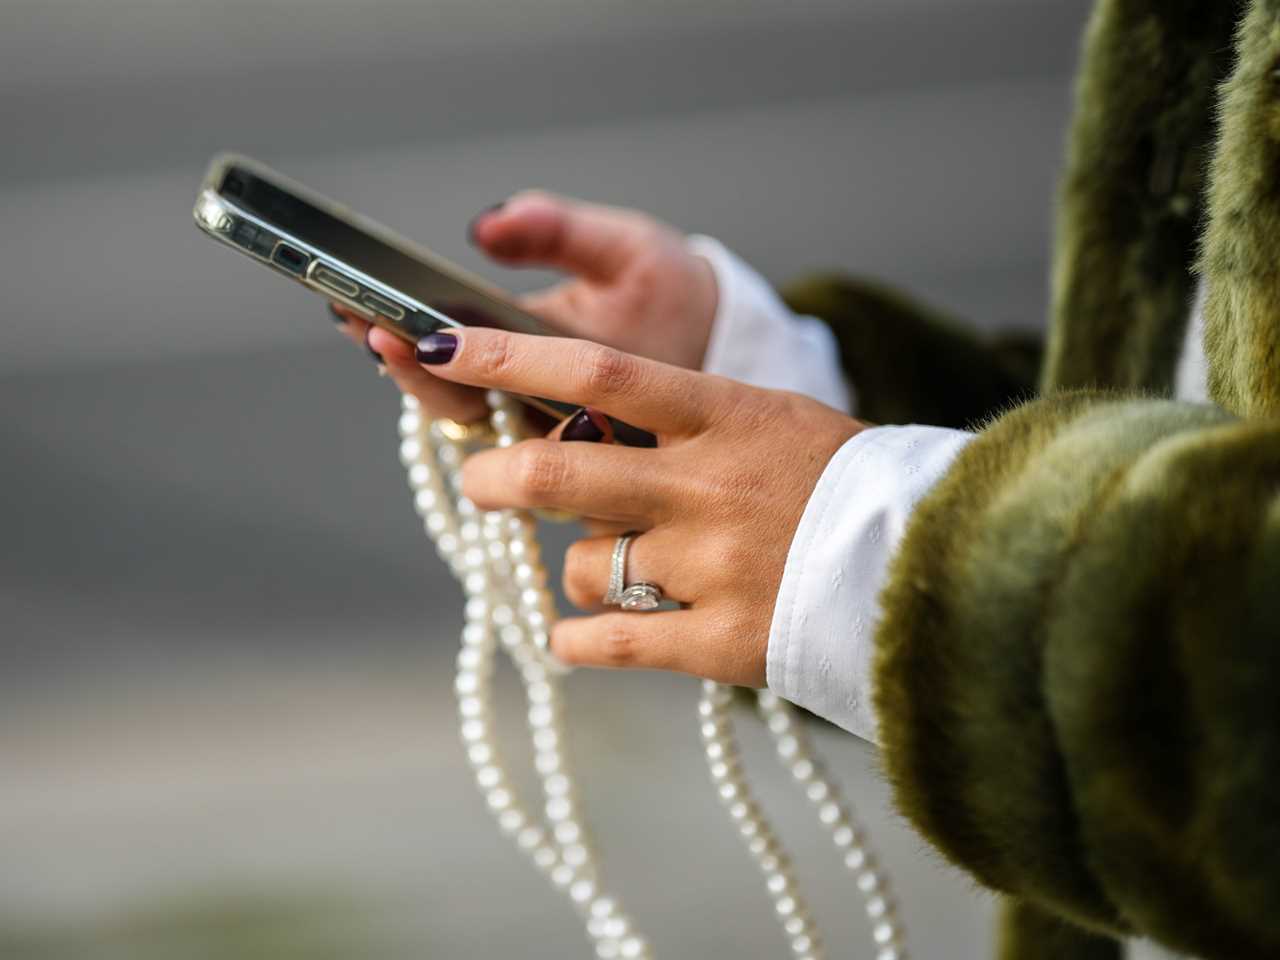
(822, 639)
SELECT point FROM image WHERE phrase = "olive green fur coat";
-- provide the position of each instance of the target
(1078, 670)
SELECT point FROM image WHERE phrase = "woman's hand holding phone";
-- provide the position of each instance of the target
(716, 503)
(632, 284)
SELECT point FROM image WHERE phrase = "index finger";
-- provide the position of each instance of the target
(645, 393)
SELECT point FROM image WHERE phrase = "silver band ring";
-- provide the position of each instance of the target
(637, 596)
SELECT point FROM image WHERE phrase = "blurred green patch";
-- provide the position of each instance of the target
(215, 927)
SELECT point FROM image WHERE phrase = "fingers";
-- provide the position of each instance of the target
(686, 641)
(615, 483)
(534, 228)
(438, 398)
(652, 557)
(645, 393)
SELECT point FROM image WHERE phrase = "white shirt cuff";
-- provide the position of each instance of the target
(756, 339)
(821, 644)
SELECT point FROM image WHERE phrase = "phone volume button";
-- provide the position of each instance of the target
(392, 311)
(335, 281)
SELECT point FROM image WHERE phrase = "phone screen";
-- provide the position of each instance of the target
(348, 243)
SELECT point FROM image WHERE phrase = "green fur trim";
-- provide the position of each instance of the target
(912, 364)
(1027, 933)
(1239, 260)
(1131, 196)
(992, 589)
(1077, 669)
(1162, 672)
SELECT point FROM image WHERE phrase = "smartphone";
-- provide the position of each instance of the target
(350, 259)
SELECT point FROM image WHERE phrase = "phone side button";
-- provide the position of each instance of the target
(335, 281)
(392, 311)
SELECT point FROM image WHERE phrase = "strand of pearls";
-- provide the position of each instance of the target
(834, 812)
(496, 558)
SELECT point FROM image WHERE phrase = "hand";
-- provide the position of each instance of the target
(634, 285)
(717, 502)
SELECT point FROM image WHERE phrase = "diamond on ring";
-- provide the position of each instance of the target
(641, 596)
(638, 596)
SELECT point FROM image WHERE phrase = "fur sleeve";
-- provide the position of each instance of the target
(1078, 675)
(911, 364)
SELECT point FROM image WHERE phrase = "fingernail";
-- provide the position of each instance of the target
(436, 348)
(471, 227)
(335, 316)
(372, 352)
(587, 426)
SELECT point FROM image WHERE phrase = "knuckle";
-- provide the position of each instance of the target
(578, 579)
(603, 371)
(538, 469)
(619, 646)
(491, 356)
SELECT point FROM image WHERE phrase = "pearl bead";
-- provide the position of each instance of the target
(558, 808)
(615, 928)
(556, 785)
(499, 799)
(410, 451)
(795, 926)
(817, 791)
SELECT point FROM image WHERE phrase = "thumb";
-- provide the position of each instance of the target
(537, 229)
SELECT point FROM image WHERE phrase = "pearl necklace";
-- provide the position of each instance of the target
(495, 556)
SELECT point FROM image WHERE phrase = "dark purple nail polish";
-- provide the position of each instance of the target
(471, 227)
(372, 352)
(587, 426)
(336, 317)
(436, 348)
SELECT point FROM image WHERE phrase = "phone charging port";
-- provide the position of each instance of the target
(292, 259)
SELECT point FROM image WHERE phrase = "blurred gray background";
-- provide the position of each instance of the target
(226, 719)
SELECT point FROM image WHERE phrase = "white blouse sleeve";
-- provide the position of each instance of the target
(826, 612)
(756, 339)
(824, 621)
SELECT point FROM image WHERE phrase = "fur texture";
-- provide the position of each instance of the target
(912, 364)
(1026, 931)
(1078, 665)
(1239, 258)
(1131, 197)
